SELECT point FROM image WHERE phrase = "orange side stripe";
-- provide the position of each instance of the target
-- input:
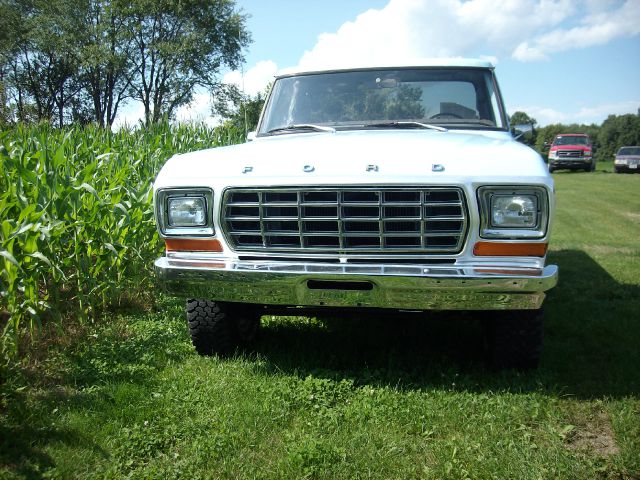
(508, 249)
(193, 245)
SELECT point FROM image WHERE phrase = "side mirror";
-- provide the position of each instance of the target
(251, 136)
(519, 131)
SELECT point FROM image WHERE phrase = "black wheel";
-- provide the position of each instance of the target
(593, 166)
(216, 329)
(551, 169)
(514, 339)
(210, 327)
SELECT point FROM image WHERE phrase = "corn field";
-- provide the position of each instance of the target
(76, 221)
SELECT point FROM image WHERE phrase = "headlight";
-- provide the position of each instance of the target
(587, 153)
(620, 161)
(553, 155)
(185, 212)
(513, 212)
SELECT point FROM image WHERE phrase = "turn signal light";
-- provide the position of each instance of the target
(509, 249)
(193, 245)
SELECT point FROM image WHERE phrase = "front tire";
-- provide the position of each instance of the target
(216, 329)
(514, 339)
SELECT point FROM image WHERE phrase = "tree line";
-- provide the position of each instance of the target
(79, 61)
(616, 131)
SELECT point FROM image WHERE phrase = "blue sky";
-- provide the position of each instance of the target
(561, 61)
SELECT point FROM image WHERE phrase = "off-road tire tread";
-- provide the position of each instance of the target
(211, 329)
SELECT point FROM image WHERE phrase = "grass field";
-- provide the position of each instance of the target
(126, 396)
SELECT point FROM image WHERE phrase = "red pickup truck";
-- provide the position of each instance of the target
(573, 151)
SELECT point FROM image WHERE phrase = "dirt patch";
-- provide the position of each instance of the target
(595, 435)
(633, 216)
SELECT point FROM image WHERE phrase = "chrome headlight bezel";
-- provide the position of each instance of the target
(538, 229)
(163, 198)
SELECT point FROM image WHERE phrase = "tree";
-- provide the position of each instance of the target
(618, 131)
(12, 32)
(43, 57)
(106, 50)
(521, 118)
(240, 110)
(79, 60)
(180, 46)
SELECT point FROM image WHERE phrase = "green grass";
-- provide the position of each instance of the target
(126, 396)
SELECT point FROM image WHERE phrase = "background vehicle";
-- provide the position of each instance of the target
(573, 151)
(627, 159)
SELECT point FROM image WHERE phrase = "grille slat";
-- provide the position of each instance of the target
(336, 220)
(570, 153)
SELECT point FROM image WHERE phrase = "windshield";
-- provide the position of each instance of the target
(572, 140)
(449, 97)
(629, 151)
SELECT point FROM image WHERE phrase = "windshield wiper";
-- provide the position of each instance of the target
(302, 126)
(406, 125)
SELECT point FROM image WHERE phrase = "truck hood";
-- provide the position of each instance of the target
(359, 157)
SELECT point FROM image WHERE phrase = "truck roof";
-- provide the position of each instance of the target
(417, 63)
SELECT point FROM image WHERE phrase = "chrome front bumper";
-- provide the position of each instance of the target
(570, 162)
(393, 286)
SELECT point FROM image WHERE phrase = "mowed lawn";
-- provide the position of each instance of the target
(384, 398)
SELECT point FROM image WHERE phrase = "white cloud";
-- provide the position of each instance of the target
(405, 30)
(525, 29)
(599, 113)
(198, 110)
(410, 29)
(596, 28)
(585, 115)
(543, 115)
(255, 79)
(129, 115)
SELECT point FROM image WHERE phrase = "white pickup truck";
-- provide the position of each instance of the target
(397, 188)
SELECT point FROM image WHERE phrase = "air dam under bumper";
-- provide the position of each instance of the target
(393, 286)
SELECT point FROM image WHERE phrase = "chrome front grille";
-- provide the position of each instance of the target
(420, 220)
(569, 153)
